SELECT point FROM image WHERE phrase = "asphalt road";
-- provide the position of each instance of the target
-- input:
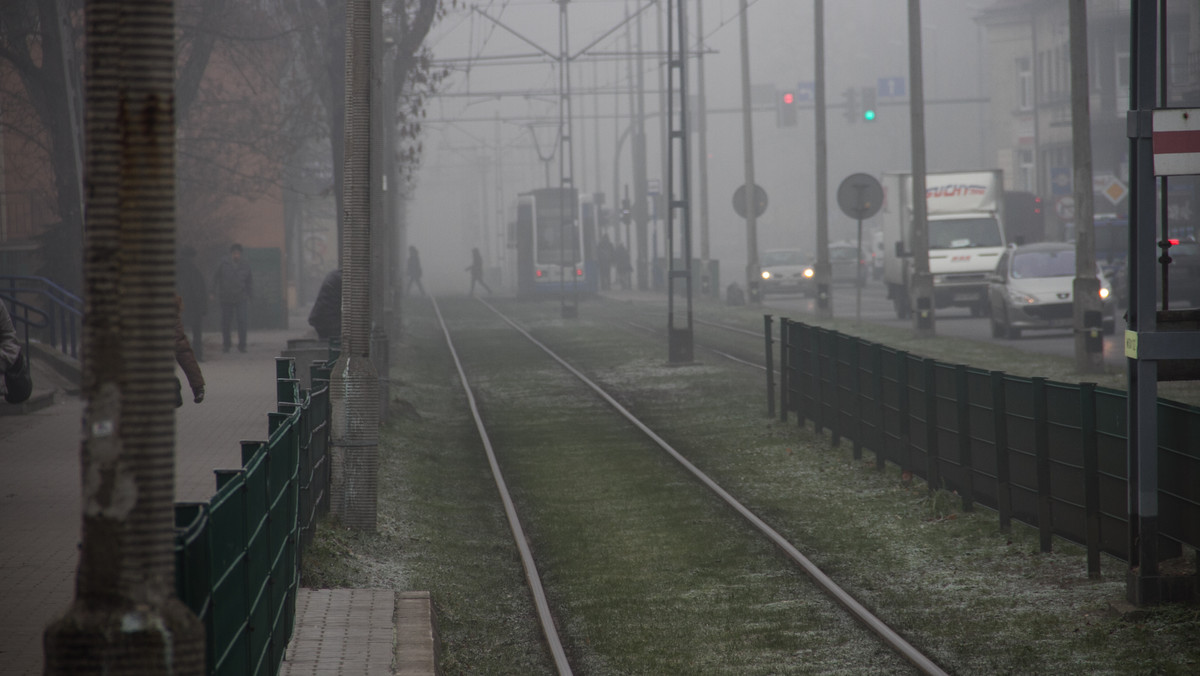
(956, 322)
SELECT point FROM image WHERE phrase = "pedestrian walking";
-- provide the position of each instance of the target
(476, 268)
(186, 358)
(194, 291)
(233, 287)
(604, 260)
(624, 267)
(326, 314)
(413, 269)
(17, 381)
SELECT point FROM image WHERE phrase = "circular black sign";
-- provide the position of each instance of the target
(739, 201)
(860, 196)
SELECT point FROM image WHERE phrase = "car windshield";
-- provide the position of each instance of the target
(964, 232)
(1043, 264)
(782, 258)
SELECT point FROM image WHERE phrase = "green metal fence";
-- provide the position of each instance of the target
(238, 555)
(1049, 454)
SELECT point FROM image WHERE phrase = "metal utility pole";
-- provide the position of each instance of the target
(1089, 342)
(748, 154)
(707, 283)
(678, 187)
(568, 194)
(354, 383)
(824, 272)
(641, 212)
(922, 281)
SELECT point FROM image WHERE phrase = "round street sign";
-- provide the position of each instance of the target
(860, 196)
(739, 201)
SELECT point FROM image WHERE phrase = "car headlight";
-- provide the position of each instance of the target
(766, 274)
(1104, 293)
(808, 273)
(1021, 298)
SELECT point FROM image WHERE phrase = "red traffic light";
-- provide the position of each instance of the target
(789, 98)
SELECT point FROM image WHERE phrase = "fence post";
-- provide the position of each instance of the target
(1000, 435)
(770, 367)
(815, 354)
(1041, 442)
(856, 392)
(1091, 475)
(931, 425)
(880, 413)
(904, 457)
(796, 357)
(835, 401)
(964, 436)
(785, 398)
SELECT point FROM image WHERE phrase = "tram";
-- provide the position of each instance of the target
(554, 237)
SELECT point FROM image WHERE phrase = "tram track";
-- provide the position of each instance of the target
(846, 601)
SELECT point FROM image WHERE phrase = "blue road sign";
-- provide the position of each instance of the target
(891, 87)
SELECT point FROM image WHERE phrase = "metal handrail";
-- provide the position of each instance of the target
(61, 311)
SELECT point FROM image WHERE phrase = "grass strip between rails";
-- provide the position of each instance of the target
(980, 601)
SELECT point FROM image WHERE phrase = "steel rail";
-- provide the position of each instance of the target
(549, 630)
(860, 612)
(714, 350)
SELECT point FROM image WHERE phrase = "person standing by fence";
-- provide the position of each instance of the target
(233, 288)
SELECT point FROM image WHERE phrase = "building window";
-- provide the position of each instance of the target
(1123, 79)
(1025, 170)
(1024, 84)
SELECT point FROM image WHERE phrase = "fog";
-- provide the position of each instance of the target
(480, 150)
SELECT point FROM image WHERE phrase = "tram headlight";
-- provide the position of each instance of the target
(1104, 293)
(766, 274)
(808, 273)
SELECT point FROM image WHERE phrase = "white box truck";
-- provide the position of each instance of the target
(966, 236)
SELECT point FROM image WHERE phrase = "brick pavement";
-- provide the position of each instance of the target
(40, 513)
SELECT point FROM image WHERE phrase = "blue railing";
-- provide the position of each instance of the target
(55, 313)
(238, 555)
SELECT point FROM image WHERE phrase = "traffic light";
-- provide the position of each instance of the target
(868, 104)
(851, 104)
(787, 108)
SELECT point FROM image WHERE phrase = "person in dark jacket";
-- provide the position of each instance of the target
(16, 383)
(185, 357)
(413, 270)
(326, 314)
(233, 289)
(476, 268)
(194, 291)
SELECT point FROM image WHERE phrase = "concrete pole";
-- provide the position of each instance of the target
(748, 155)
(824, 271)
(354, 383)
(1089, 345)
(922, 282)
(702, 149)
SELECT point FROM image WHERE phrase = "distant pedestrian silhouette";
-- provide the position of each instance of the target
(413, 270)
(233, 288)
(476, 268)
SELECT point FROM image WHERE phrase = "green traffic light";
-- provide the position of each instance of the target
(869, 115)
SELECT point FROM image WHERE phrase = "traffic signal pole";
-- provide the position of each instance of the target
(921, 290)
(748, 154)
(823, 269)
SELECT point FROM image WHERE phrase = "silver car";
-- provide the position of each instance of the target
(1032, 289)
(786, 271)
